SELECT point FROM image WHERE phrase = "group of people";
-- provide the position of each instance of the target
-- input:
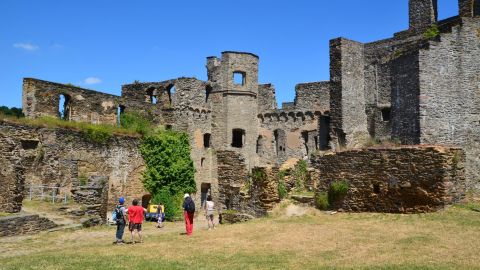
(136, 213)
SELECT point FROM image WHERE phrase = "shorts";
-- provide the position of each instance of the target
(210, 215)
(135, 226)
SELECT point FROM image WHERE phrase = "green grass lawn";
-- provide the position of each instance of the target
(314, 240)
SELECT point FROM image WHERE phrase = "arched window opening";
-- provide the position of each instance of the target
(208, 90)
(120, 111)
(64, 107)
(305, 141)
(205, 190)
(152, 95)
(238, 138)
(260, 145)
(206, 140)
(280, 141)
(202, 161)
(171, 93)
(324, 132)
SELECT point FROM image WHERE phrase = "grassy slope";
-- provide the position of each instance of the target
(445, 240)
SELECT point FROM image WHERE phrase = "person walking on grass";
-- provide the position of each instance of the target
(188, 212)
(135, 219)
(160, 215)
(209, 210)
(121, 220)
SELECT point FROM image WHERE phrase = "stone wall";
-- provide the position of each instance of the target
(450, 93)
(24, 224)
(398, 180)
(253, 194)
(347, 99)
(42, 98)
(314, 96)
(422, 13)
(61, 157)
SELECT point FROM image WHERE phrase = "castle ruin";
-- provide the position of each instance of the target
(420, 87)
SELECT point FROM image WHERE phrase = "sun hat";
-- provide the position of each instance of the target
(186, 195)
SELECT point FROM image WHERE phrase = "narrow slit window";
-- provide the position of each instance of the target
(386, 114)
(206, 140)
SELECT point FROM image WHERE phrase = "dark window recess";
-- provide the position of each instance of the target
(208, 90)
(239, 78)
(206, 140)
(29, 144)
(476, 8)
(280, 141)
(386, 114)
(376, 188)
(202, 161)
(238, 136)
(324, 133)
(168, 127)
(205, 190)
(305, 141)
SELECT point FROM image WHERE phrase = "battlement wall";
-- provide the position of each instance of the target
(313, 96)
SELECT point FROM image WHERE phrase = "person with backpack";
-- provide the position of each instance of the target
(189, 211)
(119, 217)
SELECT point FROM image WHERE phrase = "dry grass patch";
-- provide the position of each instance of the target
(312, 241)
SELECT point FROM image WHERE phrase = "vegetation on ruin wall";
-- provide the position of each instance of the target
(336, 193)
(432, 32)
(96, 133)
(170, 171)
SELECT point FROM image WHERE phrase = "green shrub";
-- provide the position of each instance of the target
(98, 133)
(136, 122)
(337, 191)
(282, 189)
(168, 162)
(432, 32)
(321, 201)
(300, 174)
(171, 202)
(82, 180)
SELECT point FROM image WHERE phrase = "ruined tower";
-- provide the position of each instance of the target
(469, 8)
(234, 87)
(422, 13)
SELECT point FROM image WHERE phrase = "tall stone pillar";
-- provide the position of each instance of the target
(422, 14)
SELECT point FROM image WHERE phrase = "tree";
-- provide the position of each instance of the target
(168, 162)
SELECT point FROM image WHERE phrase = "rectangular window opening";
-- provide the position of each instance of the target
(239, 78)
(238, 138)
(386, 114)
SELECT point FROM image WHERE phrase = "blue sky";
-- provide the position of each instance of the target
(101, 45)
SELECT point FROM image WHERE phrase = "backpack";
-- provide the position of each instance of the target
(117, 214)
(190, 206)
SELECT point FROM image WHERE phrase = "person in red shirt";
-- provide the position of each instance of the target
(135, 219)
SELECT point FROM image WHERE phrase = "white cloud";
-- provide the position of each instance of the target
(26, 46)
(92, 80)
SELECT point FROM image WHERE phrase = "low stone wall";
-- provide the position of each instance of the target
(399, 180)
(24, 224)
(253, 194)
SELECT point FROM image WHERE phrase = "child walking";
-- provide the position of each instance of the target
(209, 211)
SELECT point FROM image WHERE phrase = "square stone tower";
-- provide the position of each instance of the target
(233, 82)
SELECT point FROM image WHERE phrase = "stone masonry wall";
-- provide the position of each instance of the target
(61, 157)
(42, 98)
(398, 180)
(24, 224)
(347, 99)
(450, 93)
